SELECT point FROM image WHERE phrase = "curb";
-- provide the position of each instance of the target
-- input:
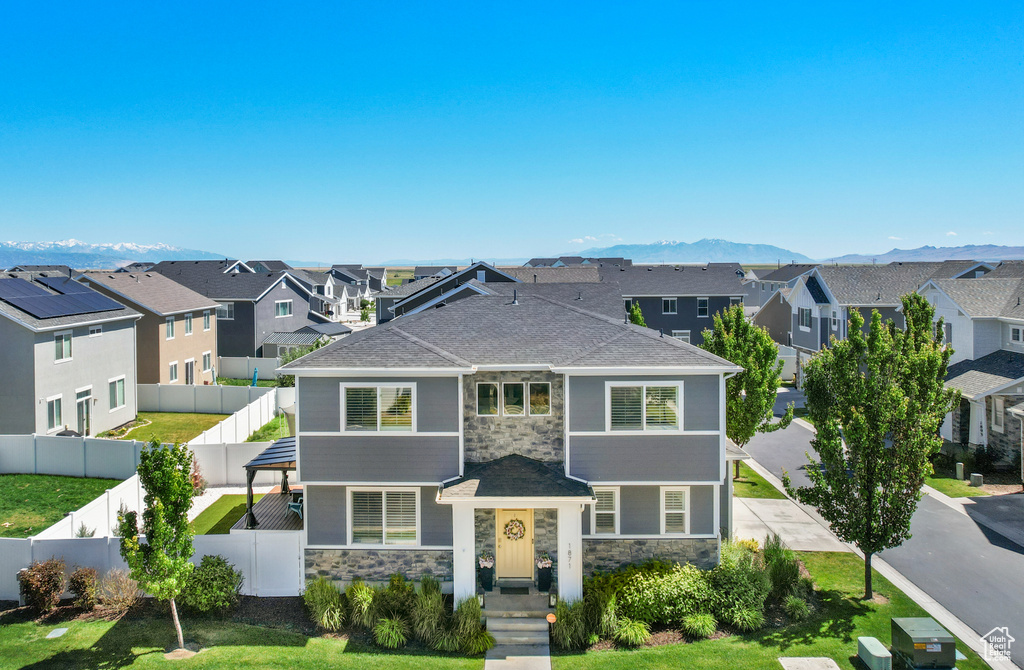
(1005, 530)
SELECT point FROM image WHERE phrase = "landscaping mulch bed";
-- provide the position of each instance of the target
(287, 613)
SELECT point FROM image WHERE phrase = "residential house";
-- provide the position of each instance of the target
(138, 266)
(425, 271)
(331, 297)
(176, 338)
(567, 261)
(358, 281)
(512, 427)
(376, 277)
(68, 357)
(49, 270)
(278, 344)
(765, 283)
(679, 300)
(253, 305)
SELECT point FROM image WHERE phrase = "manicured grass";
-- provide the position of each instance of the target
(141, 642)
(397, 275)
(831, 631)
(752, 485)
(218, 518)
(171, 427)
(952, 487)
(274, 429)
(801, 413)
(32, 503)
(228, 381)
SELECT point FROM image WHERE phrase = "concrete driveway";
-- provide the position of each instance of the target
(755, 518)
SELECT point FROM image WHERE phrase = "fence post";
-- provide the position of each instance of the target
(85, 457)
(35, 455)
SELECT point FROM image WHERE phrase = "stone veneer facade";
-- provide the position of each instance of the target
(1006, 445)
(606, 555)
(488, 438)
(377, 565)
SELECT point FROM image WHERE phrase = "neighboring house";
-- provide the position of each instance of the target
(47, 269)
(253, 305)
(567, 261)
(425, 271)
(135, 267)
(764, 284)
(423, 440)
(280, 343)
(68, 357)
(776, 315)
(331, 300)
(358, 281)
(176, 338)
(679, 300)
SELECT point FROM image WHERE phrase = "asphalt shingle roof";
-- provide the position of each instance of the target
(152, 291)
(518, 476)
(603, 298)
(877, 284)
(817, 293)
(787, 272)
(669, 280)
(1007, 269)
(984, 297)
(406, 290)
(978, 377)
(559, 275)
(57, 321)
(208, 278)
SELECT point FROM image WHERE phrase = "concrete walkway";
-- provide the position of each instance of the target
(512, 657)
(755, 518)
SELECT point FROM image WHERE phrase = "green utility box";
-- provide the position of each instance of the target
(922, 643)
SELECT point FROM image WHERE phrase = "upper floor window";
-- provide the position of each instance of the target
(540, 398)
(513, 400)
(170, 328)
(641, 407)
(735, 300)
(378, 408)
(188, 324)
(683, 335)
(385, 516)
(605, 517)
(702, 306)
(804, 315)
(62, 346)
(675, 508)
(835, 320)
(669, 305)
(226, 311)
(1015, 334)
(283, 308)
(487, 399)
(206, 320)
(95, 331)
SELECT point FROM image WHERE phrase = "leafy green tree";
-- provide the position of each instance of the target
(749, 395)
(294, 354)
(877, 402)
(636, 316)
(161, 564)
(364, 310)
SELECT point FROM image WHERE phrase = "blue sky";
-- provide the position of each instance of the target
(371, 131)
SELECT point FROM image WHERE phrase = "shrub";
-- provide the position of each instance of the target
(396, 599)
(196, 476)
(699, 625)
(85, 531)
(664, 595)
(570, 628)
(213, 586)
(782, 566)
(599, 606)
(391, 633)
(632, 633)
(325, 603)
(805, 588)
(796, 608)
(447, 638)
(748, 620)
(430, 584)
(360, 604)
(118, 591)
(478, 642)
(740, 585)
(468, 616)
(42, 584)
(83, 584)
(750, 544)
(465, 631)
(428, 615)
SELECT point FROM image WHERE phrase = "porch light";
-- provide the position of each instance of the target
(552, 600)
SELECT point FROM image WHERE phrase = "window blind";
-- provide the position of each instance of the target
(675, 511)
(367, 521)
(627, 408)
(662, 407)
(361, 408)
(604, 512)
(396, 408)
(400, 521)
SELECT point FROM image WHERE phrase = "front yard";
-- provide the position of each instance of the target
(32, 503)
(752, 485)
(169, 427)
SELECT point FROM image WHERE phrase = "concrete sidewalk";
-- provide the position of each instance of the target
(755, 518)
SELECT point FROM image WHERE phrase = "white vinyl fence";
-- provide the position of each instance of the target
(100, 515)
(243, 422)
(788, 357)
(242, 368)
(201, 399)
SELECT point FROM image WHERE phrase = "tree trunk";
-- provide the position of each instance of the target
(177, 624)
(737, 475)
(868, 591)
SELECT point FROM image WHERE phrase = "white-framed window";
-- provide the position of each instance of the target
(1015, 334)
(835, 320)
(683, 335)
(998, 408)
(513, 399)
(675, 510)
(735, 300)
(804, 316)
(282, 308)
(206, 319)
(172, 372)
(226, 311)
(486, 399)
(481, 275)
(54, 413)
(62, 346)
(115, 389)
(702, 307)
(95, 331)
(378, 407)
(635, 407)
(207, 361)
(169, 334)
(604, 516)
(188, 324)
(383, 517)
(540, 398)
(628, 304)
(669, 305)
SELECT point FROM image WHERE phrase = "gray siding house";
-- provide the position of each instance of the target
(68, 357)
(513, 426)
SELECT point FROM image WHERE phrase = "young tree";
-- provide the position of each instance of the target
(636, 316)
(877, 403)
(749, 395)
(161, 564)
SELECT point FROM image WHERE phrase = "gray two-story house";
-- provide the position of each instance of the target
(510, 425)
(68, 357)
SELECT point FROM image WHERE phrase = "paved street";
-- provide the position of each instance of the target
(973, 572)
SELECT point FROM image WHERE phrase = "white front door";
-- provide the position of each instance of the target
(513, 558)
(84, 405)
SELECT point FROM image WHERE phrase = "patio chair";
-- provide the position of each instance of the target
(296, 507)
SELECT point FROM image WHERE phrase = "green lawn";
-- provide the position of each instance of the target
(952, 487)
(171, 427)
(274, 429)
(218, 518)
(228, 381)
(141, 642)
(801, 413)
(396, 275)
(32, 503)
(752, 485)
(832, 631)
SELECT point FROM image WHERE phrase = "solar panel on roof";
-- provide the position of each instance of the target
(48, 306)
(15, 287)
(63, 285)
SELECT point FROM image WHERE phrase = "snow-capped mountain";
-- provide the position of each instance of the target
(701, 251)
(85, 256)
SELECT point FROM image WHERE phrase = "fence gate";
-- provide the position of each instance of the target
(279, 563)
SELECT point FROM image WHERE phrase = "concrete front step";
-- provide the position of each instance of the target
(519, 640)
(516, 614)
(533, 602)
(517, 624)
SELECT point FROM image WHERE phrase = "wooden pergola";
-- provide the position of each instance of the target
(278, 456)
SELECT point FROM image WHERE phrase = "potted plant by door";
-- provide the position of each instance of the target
(544, 572)
(486, 571)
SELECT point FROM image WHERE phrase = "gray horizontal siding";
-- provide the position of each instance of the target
(437, 402)
(700, 400)
(326, 517)
(435, 520)
(378, 458)
(640, 511)
(651, 458)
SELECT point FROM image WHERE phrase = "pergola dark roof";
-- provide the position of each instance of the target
(515, 476)
(278, 456)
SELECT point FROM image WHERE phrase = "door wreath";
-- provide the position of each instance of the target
(515, 530)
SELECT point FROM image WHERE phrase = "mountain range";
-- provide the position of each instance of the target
(702, 251)
(85, 256)
(973, 252)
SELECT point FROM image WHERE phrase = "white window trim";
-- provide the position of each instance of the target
(169, 328)
(674, 311)
(678, 383)
(71, 346)
(707, 307)
(207, 320)
(686, 507)
(801, 326)
(384, 490)
(378, 386)
(478, 385)
(173, 364)
(735, 300)
(998, 414)
(193, 362)
(617, 512)
(501, 399)
(189, 326)
(529, 408)
(111, 381)
(98, 330)
(60, 424)
(681, 334)
(203, 358)
(835, 320)
(227, 306)
(291, 311)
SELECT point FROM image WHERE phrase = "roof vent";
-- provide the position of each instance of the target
(534, 279)
(662, 331)
(580, 296)
(677, 268)
(704, 268)
(515, 296)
